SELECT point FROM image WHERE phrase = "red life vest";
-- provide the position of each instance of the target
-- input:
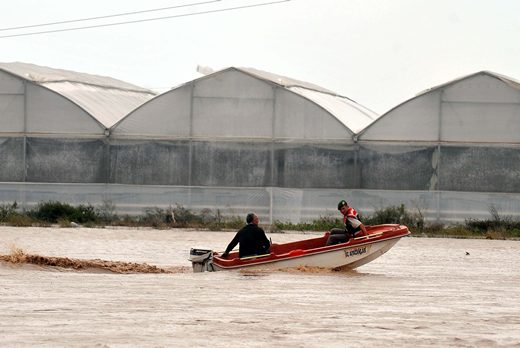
(351, 213)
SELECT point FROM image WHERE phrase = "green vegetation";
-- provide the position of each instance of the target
(498, 227)
(66, 215)
(9, 215)
(53, 212)
(396, 215)
(181, 217)
(323, 223)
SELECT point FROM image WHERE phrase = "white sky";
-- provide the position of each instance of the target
(376, 52)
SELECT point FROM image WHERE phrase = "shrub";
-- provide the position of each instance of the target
(7, 211)
(498, 227)
(220, 222)
(233, 222)
(155, 217)
(106, 212)
(395, 215)
(53, 211)
(183, 217)
(63, 222)
(323, 223)
(126, 220)
(19, 220)
(84, 213)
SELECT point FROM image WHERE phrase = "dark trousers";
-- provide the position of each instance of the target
(337, 235)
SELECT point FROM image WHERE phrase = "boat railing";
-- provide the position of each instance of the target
(369, 236)
(254, 257)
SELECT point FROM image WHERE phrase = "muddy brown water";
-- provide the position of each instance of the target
(424, 292)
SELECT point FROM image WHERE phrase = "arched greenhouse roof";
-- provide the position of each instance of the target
(483, 107)
(505, 79)
(351, 114)
(295, 102)
(106, 99)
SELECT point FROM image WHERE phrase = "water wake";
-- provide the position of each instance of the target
(19, 256)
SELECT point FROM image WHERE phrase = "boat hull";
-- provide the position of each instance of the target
(346, 258)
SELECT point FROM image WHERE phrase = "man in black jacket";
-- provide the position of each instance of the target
(252, 239)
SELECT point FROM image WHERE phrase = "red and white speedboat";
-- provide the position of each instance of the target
(308, 252)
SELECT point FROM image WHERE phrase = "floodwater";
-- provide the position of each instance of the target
(135, 288)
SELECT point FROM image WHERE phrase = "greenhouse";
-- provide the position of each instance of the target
(234, 141)
(54, 132)
(239, 140)
(452, 152)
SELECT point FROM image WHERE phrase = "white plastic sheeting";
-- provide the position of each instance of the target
(351, 114)
(50, 113)
(105, 99)
(107, 105)
(297, 117)
(244, 102)
(480, 108)
(12, 104)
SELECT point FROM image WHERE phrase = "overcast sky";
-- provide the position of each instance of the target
(376, 52)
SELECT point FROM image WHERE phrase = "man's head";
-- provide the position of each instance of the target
(343, 206)
(342, 203)
(251, 218)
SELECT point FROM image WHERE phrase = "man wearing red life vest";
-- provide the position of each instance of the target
(353, 227)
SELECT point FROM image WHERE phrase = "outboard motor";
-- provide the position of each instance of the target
(201, 260)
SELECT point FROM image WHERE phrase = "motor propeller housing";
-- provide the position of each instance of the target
(201, 259)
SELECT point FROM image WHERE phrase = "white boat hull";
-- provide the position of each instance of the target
(347, 258)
